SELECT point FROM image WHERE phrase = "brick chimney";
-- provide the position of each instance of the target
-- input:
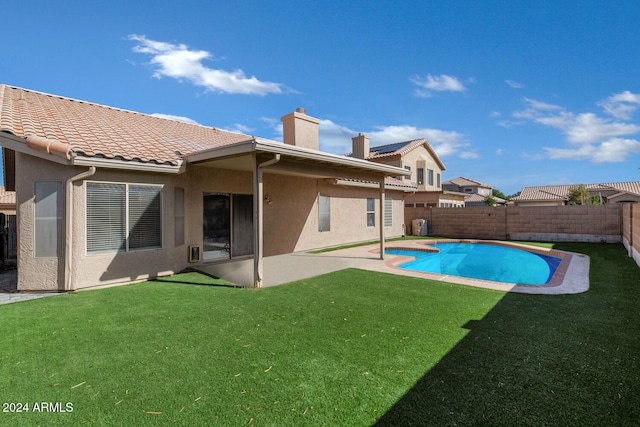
(300, 130)
(360, 146)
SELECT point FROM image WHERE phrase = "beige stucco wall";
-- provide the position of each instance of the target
(290, 221)
(419, 157)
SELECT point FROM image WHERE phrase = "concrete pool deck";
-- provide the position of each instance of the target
(571, 277)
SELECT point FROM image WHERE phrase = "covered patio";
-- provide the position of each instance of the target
(263, 157)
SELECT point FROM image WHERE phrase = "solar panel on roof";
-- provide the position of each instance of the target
(390, 148)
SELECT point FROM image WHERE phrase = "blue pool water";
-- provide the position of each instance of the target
(483, 261)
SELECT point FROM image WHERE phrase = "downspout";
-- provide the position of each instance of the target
(258, 209)
(68, 263)
(381, 216)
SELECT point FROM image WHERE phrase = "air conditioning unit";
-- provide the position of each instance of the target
(419, 227)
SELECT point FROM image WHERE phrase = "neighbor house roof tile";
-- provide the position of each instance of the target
(7, 197)
(97, 130)
(561, 192)
(381, 152)
(466, 182)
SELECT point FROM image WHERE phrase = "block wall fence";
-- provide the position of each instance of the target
(610, 223)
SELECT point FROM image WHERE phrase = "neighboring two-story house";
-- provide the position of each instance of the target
(475, 192)
(418, 158)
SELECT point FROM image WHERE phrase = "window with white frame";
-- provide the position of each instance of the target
(371, 212)
(430, 176)
(324, 213)
(388, 212)
(408, 169)
(438, 183)
(123, 217)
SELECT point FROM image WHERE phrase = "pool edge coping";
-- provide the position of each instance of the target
(571, 275)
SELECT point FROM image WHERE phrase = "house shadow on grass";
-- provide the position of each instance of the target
(192, 276)
(539, 360)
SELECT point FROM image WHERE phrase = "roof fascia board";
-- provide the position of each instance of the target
(238, 148)
(127, 165)
(272, 147)
(376, 185)
(305, 153)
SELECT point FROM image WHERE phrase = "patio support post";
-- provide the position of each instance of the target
(381, 215)
(258, 219)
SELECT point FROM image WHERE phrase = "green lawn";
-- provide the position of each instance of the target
(348, 348)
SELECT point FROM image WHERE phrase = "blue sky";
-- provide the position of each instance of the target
(510, 93)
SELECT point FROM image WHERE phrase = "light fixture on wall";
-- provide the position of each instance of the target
(267, 199)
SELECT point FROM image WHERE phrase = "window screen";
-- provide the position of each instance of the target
(388, 212)
(48, 218)
(324, 213)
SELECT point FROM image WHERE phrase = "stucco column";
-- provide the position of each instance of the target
(258, 218)
(381, 215)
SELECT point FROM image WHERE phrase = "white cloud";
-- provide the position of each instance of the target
(239, 128)
(621, 105)
(179, 62)
(172, 117)
(336, 138)
(444, 143)
(514, 85)
(611, 151)
(441, 83)
(593, 138)
(469, 155)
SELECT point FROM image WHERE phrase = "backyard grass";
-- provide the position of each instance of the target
(348, 348)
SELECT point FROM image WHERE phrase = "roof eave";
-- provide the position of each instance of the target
(259, 145)
(128, 165)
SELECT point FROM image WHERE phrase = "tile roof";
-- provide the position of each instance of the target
(465, 182)
(395, 149)
(400, 149)
(95, 130)
(561, 192)
(479, 198)
(7, 197)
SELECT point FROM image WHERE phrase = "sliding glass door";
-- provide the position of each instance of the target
(227, 225)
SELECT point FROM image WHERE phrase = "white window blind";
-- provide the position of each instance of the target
(122, 217)
(144, 217)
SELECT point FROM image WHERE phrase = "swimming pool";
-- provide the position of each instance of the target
(482, 261)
